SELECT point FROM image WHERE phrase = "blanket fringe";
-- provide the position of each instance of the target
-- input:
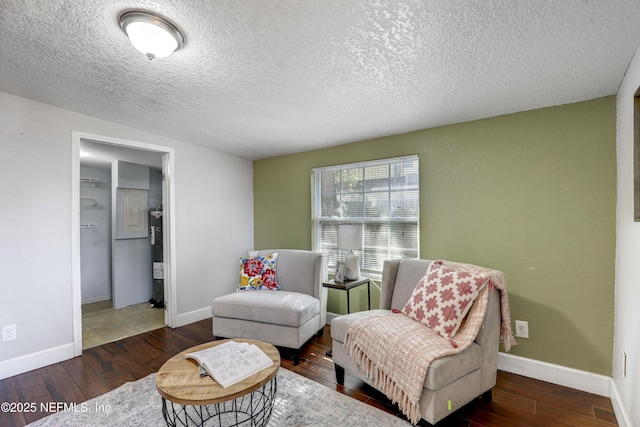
(409, 407)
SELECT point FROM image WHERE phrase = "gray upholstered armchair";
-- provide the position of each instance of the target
(287, 317)
(451, 381)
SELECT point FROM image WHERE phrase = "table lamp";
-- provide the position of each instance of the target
(350, 237)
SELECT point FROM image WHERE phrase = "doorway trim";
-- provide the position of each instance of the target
(168, 200)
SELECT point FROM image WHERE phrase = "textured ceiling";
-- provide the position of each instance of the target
(262, 78)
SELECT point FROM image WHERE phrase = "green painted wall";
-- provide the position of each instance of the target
(532, 194)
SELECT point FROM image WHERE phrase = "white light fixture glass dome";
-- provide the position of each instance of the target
(150, 34)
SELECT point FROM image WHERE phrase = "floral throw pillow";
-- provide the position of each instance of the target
(443, 297)
(258, 272)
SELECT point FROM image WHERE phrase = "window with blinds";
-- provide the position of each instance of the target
(383, 196)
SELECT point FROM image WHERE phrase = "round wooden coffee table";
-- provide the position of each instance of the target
(188, 399)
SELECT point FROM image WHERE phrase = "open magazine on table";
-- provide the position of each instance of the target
(231, 362)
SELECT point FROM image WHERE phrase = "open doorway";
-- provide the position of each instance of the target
(115, 280)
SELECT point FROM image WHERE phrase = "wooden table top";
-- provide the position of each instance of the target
(178, 379)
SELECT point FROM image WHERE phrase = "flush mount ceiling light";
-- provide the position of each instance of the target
(151, 34)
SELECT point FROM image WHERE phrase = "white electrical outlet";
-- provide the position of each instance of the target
(522, 329)
(8, 333)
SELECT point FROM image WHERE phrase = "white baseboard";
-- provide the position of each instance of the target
(556, 374)
(618, 409)
(29, 362)
(193, 316)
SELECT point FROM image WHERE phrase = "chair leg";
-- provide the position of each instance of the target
(295, 357)
(320, 333)
(339, 374)
(487, 396)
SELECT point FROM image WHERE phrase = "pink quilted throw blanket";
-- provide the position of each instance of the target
(401, 373)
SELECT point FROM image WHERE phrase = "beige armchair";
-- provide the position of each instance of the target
(288, 317)
(451, 381)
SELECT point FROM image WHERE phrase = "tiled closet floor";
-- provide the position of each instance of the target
(101, 323)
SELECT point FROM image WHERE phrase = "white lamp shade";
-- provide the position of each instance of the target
(349, 236)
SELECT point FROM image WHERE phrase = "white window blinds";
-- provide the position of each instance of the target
(383, 196)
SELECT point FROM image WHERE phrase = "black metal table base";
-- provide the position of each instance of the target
(252, 409)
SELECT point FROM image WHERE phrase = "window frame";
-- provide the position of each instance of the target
(388, 222)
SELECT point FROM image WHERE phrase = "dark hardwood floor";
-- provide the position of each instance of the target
(517, 400)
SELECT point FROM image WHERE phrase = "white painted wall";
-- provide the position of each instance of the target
(213, 226)
(627, 297)
(95, 243)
